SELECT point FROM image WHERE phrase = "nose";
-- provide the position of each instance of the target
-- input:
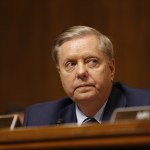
(82, 72)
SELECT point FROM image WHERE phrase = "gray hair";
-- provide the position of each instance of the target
(81, 31)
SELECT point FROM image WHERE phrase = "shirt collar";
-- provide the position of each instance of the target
(81, 117)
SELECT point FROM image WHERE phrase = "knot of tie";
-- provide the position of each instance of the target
(90, 120)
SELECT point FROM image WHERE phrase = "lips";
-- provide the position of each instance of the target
(84, 85)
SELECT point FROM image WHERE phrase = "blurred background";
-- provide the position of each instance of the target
(27, 31)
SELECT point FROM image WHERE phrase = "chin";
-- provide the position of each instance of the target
(84, 98)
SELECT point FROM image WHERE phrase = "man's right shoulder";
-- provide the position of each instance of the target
(45, 113)
(51, 104)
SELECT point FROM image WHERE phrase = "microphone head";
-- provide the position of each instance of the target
(60, 121)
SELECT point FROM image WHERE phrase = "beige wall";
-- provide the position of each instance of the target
(27, 30)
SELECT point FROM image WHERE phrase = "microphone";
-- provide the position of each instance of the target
(60, 121)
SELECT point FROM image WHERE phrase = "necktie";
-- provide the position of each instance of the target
(90, 120)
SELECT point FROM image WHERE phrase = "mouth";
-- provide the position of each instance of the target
(84, 86)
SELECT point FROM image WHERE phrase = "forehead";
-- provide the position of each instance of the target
(79, 44)
(80, 48)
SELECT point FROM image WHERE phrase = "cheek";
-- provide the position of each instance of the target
(67, 81)
(101, 75)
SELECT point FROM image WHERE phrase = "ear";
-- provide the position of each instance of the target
(58, 68)
(112, 68)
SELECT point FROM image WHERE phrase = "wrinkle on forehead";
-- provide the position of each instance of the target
(75, 46)
(79, 44)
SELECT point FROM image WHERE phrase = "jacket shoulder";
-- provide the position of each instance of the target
(45, 113)
(134, 96)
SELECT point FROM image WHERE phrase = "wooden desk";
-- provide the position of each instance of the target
(123, 135)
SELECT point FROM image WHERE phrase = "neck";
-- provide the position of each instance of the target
(90, 109)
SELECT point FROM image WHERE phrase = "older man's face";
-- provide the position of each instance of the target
(85, 71)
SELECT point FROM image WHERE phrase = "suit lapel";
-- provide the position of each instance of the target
(117, 99)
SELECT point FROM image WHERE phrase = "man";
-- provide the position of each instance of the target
(85, 61)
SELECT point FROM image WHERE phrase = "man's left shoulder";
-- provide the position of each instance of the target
(134, 94)
(135, 90)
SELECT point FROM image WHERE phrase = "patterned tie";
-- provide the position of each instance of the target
(90, 120)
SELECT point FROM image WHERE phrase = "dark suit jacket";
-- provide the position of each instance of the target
(63, 110)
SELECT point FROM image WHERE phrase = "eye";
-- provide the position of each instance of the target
(70, 65)
(93, 62)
